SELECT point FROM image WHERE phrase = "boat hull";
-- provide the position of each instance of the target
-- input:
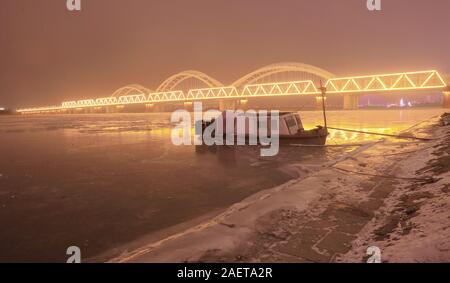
(317, 136)
(290, 131)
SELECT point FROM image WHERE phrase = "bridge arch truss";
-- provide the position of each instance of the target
(171, 83)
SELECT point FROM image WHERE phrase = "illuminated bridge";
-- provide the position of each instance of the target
(284, 79)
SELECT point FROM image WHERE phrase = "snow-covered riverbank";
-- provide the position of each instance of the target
(391, 194)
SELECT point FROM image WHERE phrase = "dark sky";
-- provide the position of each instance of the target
(49, 55)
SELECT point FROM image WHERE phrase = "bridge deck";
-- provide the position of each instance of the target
(359, 84)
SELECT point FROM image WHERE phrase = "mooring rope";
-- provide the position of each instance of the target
(381, 134)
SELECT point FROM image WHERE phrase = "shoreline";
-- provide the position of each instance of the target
(319, 218)
(413, 224)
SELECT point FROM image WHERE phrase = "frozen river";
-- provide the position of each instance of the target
(101, 181)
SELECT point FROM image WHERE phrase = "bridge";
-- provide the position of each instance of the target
(284, 79)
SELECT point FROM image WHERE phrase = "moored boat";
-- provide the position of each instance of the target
(290, 128)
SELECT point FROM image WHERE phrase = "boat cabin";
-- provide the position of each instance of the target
(289, 123)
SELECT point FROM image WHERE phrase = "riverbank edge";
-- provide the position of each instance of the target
(295, 222)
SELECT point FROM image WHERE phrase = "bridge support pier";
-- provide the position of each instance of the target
(189, 106)
(446, 97)
(243, 104)
(350, 101)
(227, 104)
(110, 109)
(319, 105)
(114, 109)
(99, 110)
(149, 107)
(154, 108)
